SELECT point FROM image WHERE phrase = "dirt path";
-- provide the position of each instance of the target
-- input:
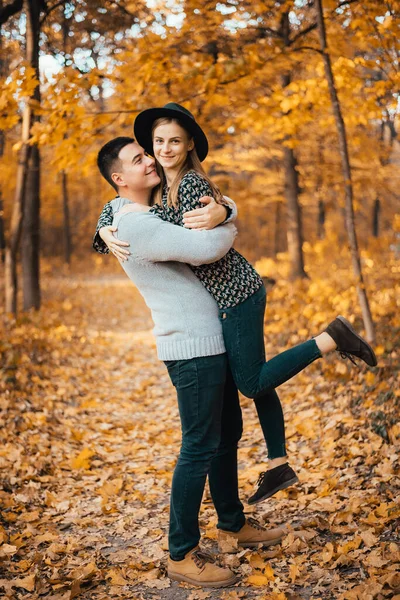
(91, 433)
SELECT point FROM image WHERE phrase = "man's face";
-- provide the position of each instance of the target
(137, 171)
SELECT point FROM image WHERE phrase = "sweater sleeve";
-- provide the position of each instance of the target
(232, 210)
(160, 241)
(192, 187)
(105, 219)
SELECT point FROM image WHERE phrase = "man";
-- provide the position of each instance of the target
(190, 342)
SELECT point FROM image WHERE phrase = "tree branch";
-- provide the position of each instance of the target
(186, 99)
(10, 10)
(50, 10)
(309, 48)
(345, 2)
(264, 29)
(122, 8)
(303, 32)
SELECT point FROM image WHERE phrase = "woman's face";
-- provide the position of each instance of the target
(171, 144)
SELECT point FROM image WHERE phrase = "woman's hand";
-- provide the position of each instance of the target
(210, 216)
(116, 247)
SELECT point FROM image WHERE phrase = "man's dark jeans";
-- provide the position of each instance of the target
(243, 328)
(211, 422)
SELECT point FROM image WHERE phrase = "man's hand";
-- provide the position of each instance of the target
(116, 247)
(210, 216)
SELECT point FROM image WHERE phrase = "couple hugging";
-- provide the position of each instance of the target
(207, 303)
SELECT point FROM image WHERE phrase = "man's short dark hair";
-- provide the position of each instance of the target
(107, 159)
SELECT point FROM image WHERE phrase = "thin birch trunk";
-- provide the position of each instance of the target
(11, 279)
(277, 228)
(2, 143)
(292, 188)
(64, 176)
(2, 235)
(294, 220)
(346, 170)
(66, 224)
(30, 256)
(376, 212)
(321, 203)
(31, 234)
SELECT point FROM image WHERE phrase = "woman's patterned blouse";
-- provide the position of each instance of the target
(230, 280)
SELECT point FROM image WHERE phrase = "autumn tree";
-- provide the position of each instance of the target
(30, 246)
(229, 64)
(26, 206)
(346, 170)
(2, 142)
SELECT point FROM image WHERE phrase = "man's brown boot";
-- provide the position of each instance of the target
(198, 568)
(251, 535)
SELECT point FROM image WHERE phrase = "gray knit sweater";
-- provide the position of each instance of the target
(184, 313)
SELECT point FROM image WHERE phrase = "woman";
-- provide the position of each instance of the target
(179, 145)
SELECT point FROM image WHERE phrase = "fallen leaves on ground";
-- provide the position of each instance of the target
(90, 434)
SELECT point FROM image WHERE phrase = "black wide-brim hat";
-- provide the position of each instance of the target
(144, 124)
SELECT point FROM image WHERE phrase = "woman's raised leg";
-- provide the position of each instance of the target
(243, 327)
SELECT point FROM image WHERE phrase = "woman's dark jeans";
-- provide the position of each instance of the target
(243, 328)
(211, 421)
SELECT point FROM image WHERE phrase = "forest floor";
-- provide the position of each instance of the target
(90, 435)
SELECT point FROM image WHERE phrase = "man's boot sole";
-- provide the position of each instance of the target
(354, 332)
(250, 545)
(208, 584)
(263, 544)
(283, 486)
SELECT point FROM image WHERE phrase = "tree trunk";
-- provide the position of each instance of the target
(11, 280)
(294, 221)
(2, 235)
(318, 193)
(31, 227)
(392, 129)
(321, 220)
(2, 142)
(66, 224)
(375, 218)
(64, 177)
(31, 235)
(292, 188)
(278, 220)
(346, 170)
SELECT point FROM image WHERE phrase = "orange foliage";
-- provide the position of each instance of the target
(87, 462)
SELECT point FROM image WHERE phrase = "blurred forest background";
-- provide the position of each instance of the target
(300, 102)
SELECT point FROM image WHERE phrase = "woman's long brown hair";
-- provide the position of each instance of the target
(192, 163)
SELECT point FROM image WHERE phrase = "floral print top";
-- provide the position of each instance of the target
(230, 280)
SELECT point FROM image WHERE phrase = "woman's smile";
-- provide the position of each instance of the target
(172, 139)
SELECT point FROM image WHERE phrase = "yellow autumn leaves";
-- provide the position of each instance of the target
(88, 460)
